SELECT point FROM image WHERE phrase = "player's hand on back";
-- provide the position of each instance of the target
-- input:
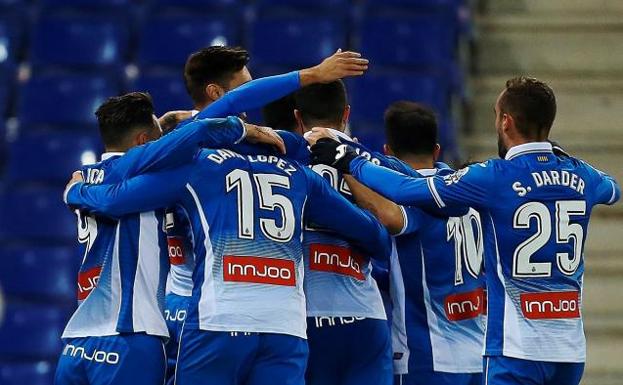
(265, 135)
(171, 119)
(339, 65)
(318, 133)
(333, 153)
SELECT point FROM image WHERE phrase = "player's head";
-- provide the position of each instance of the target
(322, 105)
(411, 131)
(524, 112)
(210, 72)
(280, 114)
(128, 120)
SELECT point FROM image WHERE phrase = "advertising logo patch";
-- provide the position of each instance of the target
(272, 271)
(336, 259)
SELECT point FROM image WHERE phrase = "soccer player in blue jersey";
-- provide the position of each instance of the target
(437, 285)
(535, 208)
(246, 317)
(343, 300)
(118, 326)
(219, 83)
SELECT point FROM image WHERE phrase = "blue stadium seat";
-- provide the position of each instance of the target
(31, 373)
(166, 41)
(65, 101)
(424, 40)
(295, 40)
(167, 90)
(414, 3)
(37, 214)
(79, 42)
(31, 331)
(304, 3)
(61, 153)
(86, 4)
(195, 3)
(4, 102)
(40, 273)
(371, 94)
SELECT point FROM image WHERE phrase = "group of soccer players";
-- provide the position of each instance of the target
(276, 248)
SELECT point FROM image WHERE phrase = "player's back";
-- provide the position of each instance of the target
(440, 271)
(536, 221)
(122, 276)
(249, 270)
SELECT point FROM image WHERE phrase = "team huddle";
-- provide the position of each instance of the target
(221, 252)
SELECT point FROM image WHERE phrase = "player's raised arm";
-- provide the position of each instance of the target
(259, 92)
(138, 194)
(327, 208)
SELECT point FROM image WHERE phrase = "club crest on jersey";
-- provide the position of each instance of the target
(336, 259)
(456, 176)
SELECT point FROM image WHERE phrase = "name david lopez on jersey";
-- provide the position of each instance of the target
(222, 155)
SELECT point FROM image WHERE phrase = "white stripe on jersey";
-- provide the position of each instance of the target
(207, 300)
(146, 316)
(441, 350)
(115, 286)
(431, 186)
(399, 328)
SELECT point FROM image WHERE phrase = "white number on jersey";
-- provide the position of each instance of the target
(565, 232)
(240, 180)
(468, 244)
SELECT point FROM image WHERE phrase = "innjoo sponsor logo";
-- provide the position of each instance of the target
(87, 281)
(270, 271)
(550, 305)
(467, 305)
(176, 250)
(100, 356)
(336, 259)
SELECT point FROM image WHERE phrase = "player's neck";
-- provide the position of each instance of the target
(418, 162)
(336, 126)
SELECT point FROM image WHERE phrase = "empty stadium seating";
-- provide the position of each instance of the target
(36, 214)
(167, 90)
(79, 43)
(60, 59)
(38, 327)
(63, 101)
(49, 156)
(31, 373)
(49, 271)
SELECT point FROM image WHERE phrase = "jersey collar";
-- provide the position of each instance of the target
(108, 155)
(528, 148)
(427, 171)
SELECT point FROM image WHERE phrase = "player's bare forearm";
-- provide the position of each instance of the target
(337, 66)
(386, 211)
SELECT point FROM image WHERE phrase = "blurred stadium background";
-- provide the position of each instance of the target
(60, 58)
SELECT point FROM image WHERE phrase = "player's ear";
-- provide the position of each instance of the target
(507, 122)
(141, 138)
(388, 150)
(346, 115)
(299, 121)
(214, 91)
(436, 152)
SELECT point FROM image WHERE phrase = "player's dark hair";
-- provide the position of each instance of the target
(215, 64)
(118, 116)
(322, 103)
(410, 128)
(532, 105)
(280, 113)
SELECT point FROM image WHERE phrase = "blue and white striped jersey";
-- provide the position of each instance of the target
(247, 215)
(535, 208)
(123, 272)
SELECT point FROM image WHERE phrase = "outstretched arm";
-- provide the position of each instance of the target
(259, 92)
(141, 193)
